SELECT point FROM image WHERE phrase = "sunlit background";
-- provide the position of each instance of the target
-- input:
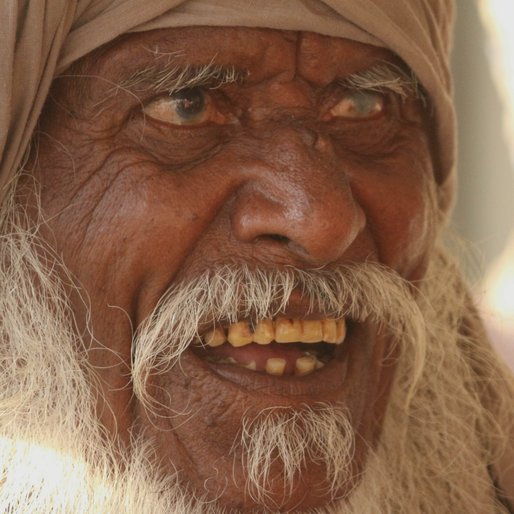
(483, 64)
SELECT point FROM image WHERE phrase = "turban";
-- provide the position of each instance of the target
(41, 38)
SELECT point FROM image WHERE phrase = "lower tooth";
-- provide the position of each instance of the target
(305, 365)
(251, 365)
(275, 366)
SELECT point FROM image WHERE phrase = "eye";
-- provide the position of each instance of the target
(191, 106)
(357, 105)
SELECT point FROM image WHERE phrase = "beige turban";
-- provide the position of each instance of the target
(40, 38)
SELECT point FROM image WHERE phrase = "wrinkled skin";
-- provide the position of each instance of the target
(134, 204)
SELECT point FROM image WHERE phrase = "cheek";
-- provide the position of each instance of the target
(406, 233)
(142, 229)
(401, 214)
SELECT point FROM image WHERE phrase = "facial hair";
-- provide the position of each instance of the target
(447, 419)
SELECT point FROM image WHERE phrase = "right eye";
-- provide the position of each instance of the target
(191, 106)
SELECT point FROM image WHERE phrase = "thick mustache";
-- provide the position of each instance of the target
(363, 291)
(231, 293)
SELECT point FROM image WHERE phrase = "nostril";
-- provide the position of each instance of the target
(278, 238)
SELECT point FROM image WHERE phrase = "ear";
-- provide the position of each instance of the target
(446, 193)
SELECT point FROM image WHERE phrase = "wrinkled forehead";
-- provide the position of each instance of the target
(259, 54)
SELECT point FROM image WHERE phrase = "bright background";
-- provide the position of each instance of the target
(483, 62)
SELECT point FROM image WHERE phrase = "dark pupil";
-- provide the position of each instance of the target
(188, 102)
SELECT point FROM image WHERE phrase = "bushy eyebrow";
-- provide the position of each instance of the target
(172, 77)
(385, 77)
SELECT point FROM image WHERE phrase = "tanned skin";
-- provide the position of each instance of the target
(266, 175)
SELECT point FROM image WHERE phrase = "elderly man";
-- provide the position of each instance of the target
(223, 287)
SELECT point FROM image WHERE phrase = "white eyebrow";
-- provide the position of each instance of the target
(172, 77)
(383, 77)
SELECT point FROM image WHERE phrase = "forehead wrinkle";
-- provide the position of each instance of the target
(278, 71)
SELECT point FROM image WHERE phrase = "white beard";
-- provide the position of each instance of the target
(450, 408)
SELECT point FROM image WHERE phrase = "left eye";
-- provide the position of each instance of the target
(192, 106)
(359, 105)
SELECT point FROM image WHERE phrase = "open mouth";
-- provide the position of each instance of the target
(277, 347)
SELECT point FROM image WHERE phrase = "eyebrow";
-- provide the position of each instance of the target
(385, 77)
(172, 77)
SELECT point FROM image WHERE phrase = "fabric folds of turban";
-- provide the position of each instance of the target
(41, 38)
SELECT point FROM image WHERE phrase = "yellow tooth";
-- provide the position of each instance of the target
(305, 365)
(329, 330)
(264, 332)
(288, 330)
(215, 337)
(275, 366)
(251, 365)
(239, 334)
(312, 331)
(340, 331)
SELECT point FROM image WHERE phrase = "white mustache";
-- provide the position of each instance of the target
(230, 293)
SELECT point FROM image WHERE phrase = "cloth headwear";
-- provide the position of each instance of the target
(40, 38)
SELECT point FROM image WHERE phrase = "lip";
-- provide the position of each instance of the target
(322, 385)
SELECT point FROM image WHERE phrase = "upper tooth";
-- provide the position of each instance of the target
(340, 331)
(215, 337)
(288, 330)
(329, 330)
(283, 330)
(239, 334)
(264, 332)
(312, 331)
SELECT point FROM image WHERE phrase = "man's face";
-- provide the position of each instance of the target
(273, 161)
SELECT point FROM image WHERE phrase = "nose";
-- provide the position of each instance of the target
(297, 199)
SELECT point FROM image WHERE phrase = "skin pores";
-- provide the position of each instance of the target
(277, 165)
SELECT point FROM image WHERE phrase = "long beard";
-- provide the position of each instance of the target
(445, 422)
